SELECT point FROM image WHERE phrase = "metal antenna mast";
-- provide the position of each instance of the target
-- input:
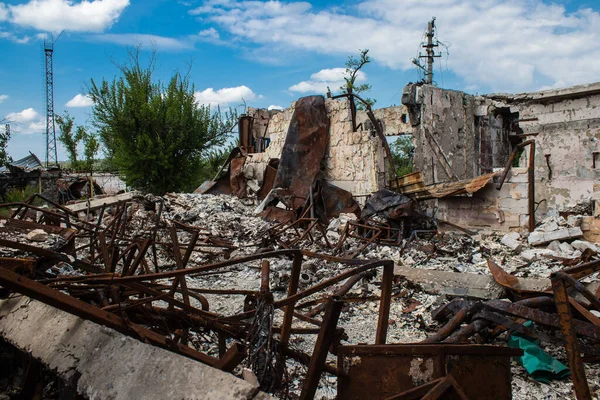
(430, 49)
(51, 154)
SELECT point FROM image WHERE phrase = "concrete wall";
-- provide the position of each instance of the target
(568, 132)
(105, 364)
(354, 161)
(457, 136)
(503, 210)
(475, 134)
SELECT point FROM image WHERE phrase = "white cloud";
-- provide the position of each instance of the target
(59, 15)
(27, 121)
(274, 107)
(497, 44)
(14, 38)
(3, 12)
(225, 96)
(211, 33)
(146, 41)
(3, 98)
(320, 81)
(80, 100)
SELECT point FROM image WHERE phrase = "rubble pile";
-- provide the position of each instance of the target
(198, 275)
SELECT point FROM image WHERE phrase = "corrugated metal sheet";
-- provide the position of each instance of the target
(31, 162)
(441, 190)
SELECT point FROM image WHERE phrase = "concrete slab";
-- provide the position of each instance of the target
(99, 202)
(109, 365)
(464, 284)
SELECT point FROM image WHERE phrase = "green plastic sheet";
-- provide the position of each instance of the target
(540, 365)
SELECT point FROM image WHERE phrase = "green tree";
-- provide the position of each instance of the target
(402, 150)
(68, 138)
(4, 138)
(155, 134)
(71, 140)
(353, 66)
(91, 145)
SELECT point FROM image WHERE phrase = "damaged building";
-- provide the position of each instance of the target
(308, 269)
(458, 138)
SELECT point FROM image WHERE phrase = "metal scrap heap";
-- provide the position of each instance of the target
(202, 276)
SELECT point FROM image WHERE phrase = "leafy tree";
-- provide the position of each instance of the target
(353, 66)
(71, 141)
(4, 138)
(68, 138)
(155, 134)
(91, 145)
(402, 150)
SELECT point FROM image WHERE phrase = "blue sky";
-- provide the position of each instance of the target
(271, 52)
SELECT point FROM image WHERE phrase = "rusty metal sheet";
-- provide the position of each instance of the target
(268, 178)
(304, 148)
(391, 204)
(221, 182)
(245, 133)
(237, 181)
(331, 201)
(509, 281)
(22, 266)
(382, 371)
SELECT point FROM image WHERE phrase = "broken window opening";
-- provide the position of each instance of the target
(403, 151)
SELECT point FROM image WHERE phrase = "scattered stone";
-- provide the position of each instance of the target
(583, 245)
(554, 246)
(532, 255)
(537, 238)
(550, 226)
(574, 220)
(511, 240)
(37, 235)
(566, 248)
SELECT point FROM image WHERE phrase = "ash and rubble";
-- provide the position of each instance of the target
(410, 314)
(231, 229)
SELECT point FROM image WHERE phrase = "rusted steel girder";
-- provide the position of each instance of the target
(84, 310)
(582, 390)
(324, 341)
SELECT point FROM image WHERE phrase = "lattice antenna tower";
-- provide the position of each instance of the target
(429, 47)
(51, 153)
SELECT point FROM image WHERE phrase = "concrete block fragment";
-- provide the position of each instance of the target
(566, 248)
(509, 241)
(37, 235)
(574, 220)
(71, 346)
(551, 226)
(537, 238)
(532, 255)
(554, 246)
(582, 245)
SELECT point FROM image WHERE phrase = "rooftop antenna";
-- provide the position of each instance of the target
(51, 153)
(429, 47)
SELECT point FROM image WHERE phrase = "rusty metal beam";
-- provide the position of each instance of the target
(67, 303)
(324, 341)
(582, 390)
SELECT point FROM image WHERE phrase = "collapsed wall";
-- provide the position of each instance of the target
(353, 161)
(460, 136)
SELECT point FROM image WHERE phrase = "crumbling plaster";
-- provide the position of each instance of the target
(354, 161)
(565, 125)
